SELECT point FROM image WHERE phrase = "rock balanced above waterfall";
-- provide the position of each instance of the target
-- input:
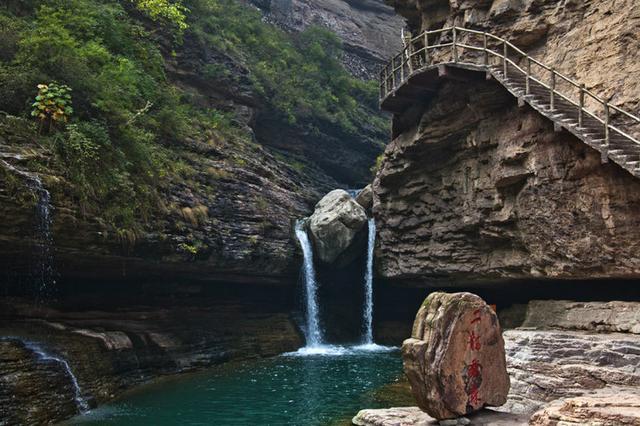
(334, 224)
(455, 358)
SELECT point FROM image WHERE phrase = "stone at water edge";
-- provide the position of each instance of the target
(455, 358)
(334, 224)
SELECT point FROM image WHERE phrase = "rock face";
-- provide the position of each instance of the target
(483, 190)
(621, 317)
(455, 359)
(477, 189)
(413, 416)
(547, 365)
(334, 224)
(369, 29)
(612, 408)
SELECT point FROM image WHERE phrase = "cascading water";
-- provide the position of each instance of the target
(313, 330)
(81, 403)
(368, 285)
(43, 269)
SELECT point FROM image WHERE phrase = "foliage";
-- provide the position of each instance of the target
(130, 127)
(301, 76)
(52, 104)
(164, 10)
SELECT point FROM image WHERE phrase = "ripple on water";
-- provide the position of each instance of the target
(314, 386)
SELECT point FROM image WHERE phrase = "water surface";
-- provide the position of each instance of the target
(304, 388)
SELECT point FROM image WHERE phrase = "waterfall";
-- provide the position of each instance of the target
(313, 332)
(42, 269)
(81, 403)
(368, 285)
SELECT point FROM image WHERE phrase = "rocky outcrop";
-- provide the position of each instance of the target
(369, 29)
(334, 224)
(484, 190)
(413, 416)
(614, 407)
(115, 343)
(622, 317)
(477, 189)
(548, 365)
(32, 391)
(455, 358)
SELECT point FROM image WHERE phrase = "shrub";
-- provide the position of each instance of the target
(52, 105)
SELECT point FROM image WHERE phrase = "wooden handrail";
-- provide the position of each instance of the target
(419, 54)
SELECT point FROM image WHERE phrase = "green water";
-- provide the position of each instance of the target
(287, 390)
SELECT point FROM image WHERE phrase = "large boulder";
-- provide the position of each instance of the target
(335, 223)
(455, 358)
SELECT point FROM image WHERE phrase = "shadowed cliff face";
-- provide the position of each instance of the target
(369, 28)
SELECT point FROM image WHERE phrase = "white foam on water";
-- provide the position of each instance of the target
(337, 350)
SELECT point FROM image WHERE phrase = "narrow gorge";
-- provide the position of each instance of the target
(304, 212)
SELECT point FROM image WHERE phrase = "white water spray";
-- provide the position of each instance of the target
(313, 330)
(81, 403)
(368, 285)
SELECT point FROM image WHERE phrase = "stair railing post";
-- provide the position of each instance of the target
(402, 62)
(410, 57)
(454, 47)
(485, 43)
(393, 73)
(528, 83)
(607, 117)
(581, 105)
(504, 57)
(553, 89)
(426, 48)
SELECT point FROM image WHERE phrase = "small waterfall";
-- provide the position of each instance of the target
(43, 265)
(368, 285)
(81, 403)
(313, 332)
(42, 269)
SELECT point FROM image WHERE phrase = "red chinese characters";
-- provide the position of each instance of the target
(473, 371)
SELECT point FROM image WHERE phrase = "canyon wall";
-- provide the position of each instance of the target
(478, 189)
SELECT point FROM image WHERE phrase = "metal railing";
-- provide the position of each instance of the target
(464, 46)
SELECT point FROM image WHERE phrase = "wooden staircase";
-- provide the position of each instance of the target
(569, 105)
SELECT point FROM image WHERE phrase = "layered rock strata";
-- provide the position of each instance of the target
(476, 189)
(112, 347)
(482, 190)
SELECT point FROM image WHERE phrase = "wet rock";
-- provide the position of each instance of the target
(32, 391)
(612, 407)
(592, 316)
(335, 223)
(455, 359)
